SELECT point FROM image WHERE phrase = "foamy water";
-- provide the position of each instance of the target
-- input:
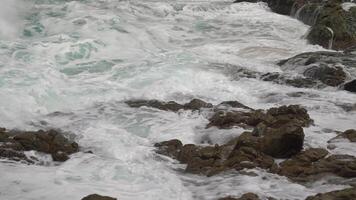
(82, 59)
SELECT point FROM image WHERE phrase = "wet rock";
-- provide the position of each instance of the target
(345, 194)
(194, 104)
(348, 134)
(169, 148)
(295, 81)
(247, 196)
(331, 76)
(168, 106)
(50, 142)
(197, 104)
(282, 142)
(320, 69)
(98, 197)
(234, 104)
(274, 116)
(312, 164)
(350, 86)
(238, 154)
(292, 114)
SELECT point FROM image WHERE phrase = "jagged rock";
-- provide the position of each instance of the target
(345, 194)
(348, 134)
(50, 142)
(98, 197)
(247, 196)
(350, 86)
(314, 163)
(169, 148)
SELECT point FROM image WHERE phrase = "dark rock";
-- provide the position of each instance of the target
(274, 116)
(247, 196)
(197, 104)
(282, 142)
(314, 163)
(50, 142)
(168, 106)
(194, 104)
(348, 134)
(169, 148)
(350, 86)
(234, 104)
(331, 76)
(98, 197)
(345, 194)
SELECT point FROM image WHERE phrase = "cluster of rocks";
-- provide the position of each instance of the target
(14, 143)
(345, 194)
(276, 133)
(332, 26)
(317, 69)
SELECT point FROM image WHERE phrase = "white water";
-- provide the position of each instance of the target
(84, 58)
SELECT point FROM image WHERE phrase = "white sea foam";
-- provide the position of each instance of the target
(84, 58)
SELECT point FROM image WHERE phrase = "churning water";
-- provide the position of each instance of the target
(71, 64)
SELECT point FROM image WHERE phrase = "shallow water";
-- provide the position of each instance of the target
(71, 64)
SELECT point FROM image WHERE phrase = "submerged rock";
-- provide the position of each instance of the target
(52, 142)
(345, 194)
(98, 197)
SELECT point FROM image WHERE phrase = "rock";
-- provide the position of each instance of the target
(295, 81)
(350, 86)
(167, 106)
(319, 69)
(331, 76)
(50, 142)
(234, 104)
(348, 134)
(315, 163)
(98, 197)
(282, 142)
(197, 104)
(247, 196)
(345, 194)
(194, 104)
(284, 114)
(291, 114)
(169, 148)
